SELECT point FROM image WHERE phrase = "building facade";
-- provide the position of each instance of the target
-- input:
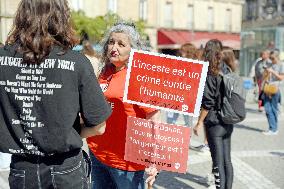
(262, 28)
(7, 12)
(169, 22)
(173, 22)
(221, 15)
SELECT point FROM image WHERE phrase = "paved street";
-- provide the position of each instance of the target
(258, 159)
(4, 180)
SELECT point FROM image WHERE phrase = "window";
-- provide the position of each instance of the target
(112, 6)
(168, 14)
(143, 9)
(76, 5)
(210, 19)
(190, 16)
(228, 20)
(251, 10)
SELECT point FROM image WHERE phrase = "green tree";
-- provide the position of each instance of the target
(96, 27)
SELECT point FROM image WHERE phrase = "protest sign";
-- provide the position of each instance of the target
(165, 82)
(163, 145)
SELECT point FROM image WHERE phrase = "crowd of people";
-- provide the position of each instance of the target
(43, 128)
(80, 95)
(268, 70)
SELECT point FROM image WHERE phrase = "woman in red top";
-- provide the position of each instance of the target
(110, 170)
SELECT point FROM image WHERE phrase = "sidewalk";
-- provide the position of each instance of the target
(258, 160)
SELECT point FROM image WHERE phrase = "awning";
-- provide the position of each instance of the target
(175, 38)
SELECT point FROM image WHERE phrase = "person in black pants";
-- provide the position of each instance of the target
(218, 133)
(44, 88)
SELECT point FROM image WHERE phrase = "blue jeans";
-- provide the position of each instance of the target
(172, 118)
(62, 171)
(105, 177)
(271, 109)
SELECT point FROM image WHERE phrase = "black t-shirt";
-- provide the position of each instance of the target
(212, 96)
(40, 103)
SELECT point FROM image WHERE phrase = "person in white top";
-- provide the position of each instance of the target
(91, 54)
(258, 78)
(273, 74)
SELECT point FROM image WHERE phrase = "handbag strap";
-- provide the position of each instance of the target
(267, 79)
(218, 94)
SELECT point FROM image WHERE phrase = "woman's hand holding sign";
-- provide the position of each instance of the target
(152, 173)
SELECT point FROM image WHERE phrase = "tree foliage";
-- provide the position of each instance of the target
(96, 27)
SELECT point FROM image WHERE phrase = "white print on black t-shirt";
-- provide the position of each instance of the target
(48, 63)
(28, 87)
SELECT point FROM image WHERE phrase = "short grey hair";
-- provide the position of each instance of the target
(127, 28)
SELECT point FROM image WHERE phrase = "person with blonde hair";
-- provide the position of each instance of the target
(228, 57)
(187, 50)
(91, 54)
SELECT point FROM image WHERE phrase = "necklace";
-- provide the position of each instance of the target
(105, 86)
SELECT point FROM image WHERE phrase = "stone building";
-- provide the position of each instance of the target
(169, 23)
(262, 28)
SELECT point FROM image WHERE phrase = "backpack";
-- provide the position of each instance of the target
(232, 108)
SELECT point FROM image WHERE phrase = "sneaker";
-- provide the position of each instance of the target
(203, 148)
(210, 179)
(269, 132)
(212, 187)
(261, 109)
